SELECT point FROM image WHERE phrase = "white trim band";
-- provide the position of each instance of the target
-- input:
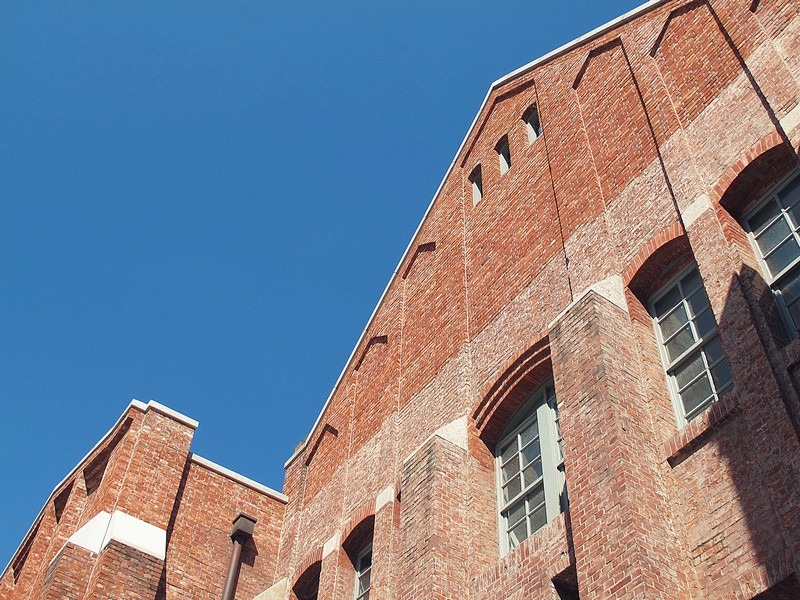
(259, 487)
(123, 528)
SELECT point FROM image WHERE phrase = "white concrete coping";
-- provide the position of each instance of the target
(386, 496)
(610, 288)
(246, 481)
(331, 545)
(454, 432)
(166, 410)
(791, 120)
(118, 526)
(278, 591)
(696, 208)
(630, 15)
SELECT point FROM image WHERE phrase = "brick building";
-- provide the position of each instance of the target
(581, 381)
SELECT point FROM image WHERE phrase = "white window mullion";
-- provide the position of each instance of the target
(549, 468)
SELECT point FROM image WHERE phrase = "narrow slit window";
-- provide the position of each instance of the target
(532, 124)
(476, 180)
(503, 155)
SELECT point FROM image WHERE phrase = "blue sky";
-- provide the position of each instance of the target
(203, 201)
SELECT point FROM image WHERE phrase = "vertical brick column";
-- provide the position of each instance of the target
(433, 533)
(124, 573)
(333, 578)
(67, 576)
(149, 484)
(624, 544)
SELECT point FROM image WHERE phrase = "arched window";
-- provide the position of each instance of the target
(307, 585)
(696, 368)
(773, 226)
(503, 154)
(530, 469)
(358, 548)
(476, 182)
(532, 124)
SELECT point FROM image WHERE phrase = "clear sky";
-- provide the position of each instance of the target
(203, 201)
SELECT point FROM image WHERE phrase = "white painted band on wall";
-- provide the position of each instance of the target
(123, 528)
(385, 497)
(698, 206)
(331, 545)
(454, 432)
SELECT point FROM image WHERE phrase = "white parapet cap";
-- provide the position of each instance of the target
(138, 405)
(118, 526)
(621, 20)
(166, 410)
(246, 481)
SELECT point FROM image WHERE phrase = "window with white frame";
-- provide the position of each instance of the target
(532, 123)
(530, 469)
(773, 227)
(696, 367)
(476, 180)
(503, 155)
(363, 571)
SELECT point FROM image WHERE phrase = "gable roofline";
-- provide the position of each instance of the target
(144, 408)
(593, 34)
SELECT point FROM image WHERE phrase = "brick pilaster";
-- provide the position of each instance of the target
(624, 546)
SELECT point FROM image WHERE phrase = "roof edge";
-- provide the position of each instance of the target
(628, 16)
(237, 477)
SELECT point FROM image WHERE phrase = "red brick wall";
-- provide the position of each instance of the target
(643, 128)
(658, 132)
(149, 476)
(199, 546)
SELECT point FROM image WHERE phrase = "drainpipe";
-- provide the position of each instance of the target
(241, 532)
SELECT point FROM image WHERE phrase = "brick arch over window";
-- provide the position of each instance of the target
(520, 377)
(359, 530)
(306, 584)
(749, 178)
(656, 259)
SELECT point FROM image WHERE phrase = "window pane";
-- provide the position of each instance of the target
(689, 370)
(691, 282)
(680, 344)
(532, 472)
(669, 301)
(508, 451)
(790, 286)
(530, 432)
(773, 235)
(515, 513)
(705, 324)
(674, 321)
(783, 256)
(713, 351)
(511, 489)
(763, 216)
(698, 302)
(791, 195)
(363, 582)
(696, 394)
(531, 452)
(538, 518)
(535, 498)
(508, 471)
(518, 534)
(721, 375)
